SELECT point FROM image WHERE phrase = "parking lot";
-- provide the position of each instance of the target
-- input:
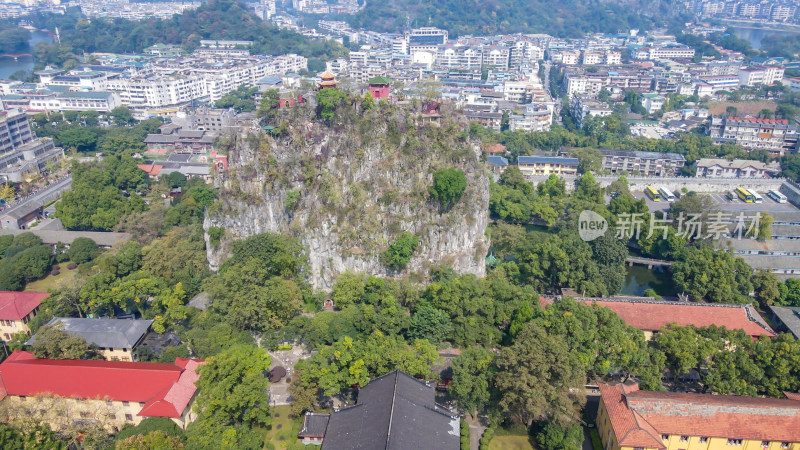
(735, 205)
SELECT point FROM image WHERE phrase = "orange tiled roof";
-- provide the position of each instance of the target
(150, 169)
(723, 416)
(494, 148)
(629, 428)
(652, 316)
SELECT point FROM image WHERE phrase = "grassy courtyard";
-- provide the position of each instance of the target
(514, 438)
(283, 431)
(65, 278)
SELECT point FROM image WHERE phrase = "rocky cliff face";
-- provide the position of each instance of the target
(348, 189)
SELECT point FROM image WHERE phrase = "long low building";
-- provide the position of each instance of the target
(115, 339)
(53, 237)
(651, 316)
(629, 418)
(109, 393)
(779, 256)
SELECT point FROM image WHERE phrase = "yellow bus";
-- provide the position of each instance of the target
(744, 195)
(652, 193)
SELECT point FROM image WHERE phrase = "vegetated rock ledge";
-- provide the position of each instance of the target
(348, 189)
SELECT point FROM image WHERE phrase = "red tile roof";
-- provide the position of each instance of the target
(723, 416)
(165, 388)
(653, 315)
(152, 169)
(17, 305)
(792, 396)
(629, 427)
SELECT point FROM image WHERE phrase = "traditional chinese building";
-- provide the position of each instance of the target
(379, 87)
(328, 80)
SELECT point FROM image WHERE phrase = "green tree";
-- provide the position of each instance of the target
(232, 388)
(53, 342)
(121, 115)
(399, 252)
(765, 227)
(280, 255)
(348, 289)
(350, 362)
(448, 186)
(766, 287)
(79, 139)
(589, 159)
(31, 438)
(83, 250)
(251, 299)
(156, 440)
(714, 276)
(327, 102)
(431, 324)
(539, 378)
(149, 425)
(473, 375)
(552, 436)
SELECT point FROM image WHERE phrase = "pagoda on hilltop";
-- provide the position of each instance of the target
(328, 80)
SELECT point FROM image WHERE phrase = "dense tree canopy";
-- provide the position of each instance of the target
(706, 274)
(448, 186)
(217, 19)
(564, 19)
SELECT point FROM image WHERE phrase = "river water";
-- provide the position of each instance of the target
(755, 35)
(8, 65)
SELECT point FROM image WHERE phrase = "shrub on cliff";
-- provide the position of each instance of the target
(399, 252)
(448, 186)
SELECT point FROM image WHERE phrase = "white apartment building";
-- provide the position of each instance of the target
(537, 117)
(652, 102)
(673, 52)
(76, 101)
(168, 86)
(583, 106)
(497, 57)
(613, 58)
(454, 57)
(592, 57)
(766, 75)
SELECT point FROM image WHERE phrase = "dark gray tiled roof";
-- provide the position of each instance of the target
(394, 412)
(109, 333)
(789, 317)
(314, 425)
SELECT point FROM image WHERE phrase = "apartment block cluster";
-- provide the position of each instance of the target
(150, 85)
(490, 77)
(761, 10)
(21, 152)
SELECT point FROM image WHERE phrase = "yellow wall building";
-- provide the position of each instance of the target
(630, 419)
(63, 393)
(547, 165)
(16, 310)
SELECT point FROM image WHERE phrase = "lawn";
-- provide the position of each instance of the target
(283, 432)
(514, 438)
(510, 443)
(65, 278)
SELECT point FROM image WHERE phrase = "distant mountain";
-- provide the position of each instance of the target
(214, 19)
(563, 18)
